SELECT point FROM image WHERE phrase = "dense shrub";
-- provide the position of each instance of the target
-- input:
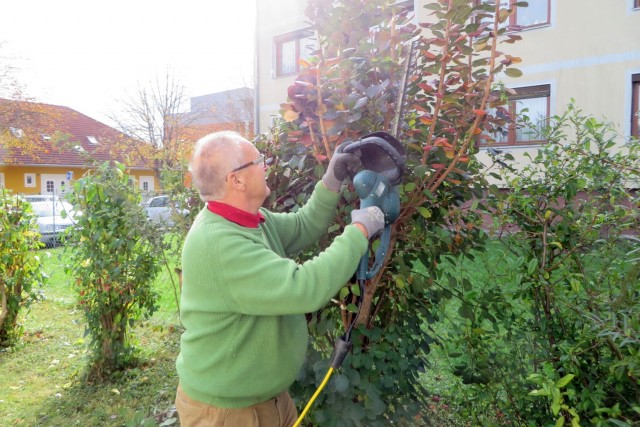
(548, 325)
(115, 254)
(20, 272)
(370, 62)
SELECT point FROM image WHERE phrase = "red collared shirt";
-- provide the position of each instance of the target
(235, 215)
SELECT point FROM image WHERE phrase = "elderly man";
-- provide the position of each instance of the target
(243, 298)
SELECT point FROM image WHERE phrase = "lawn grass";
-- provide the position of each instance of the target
(42, 377)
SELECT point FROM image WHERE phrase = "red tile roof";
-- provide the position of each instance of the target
(53, 135)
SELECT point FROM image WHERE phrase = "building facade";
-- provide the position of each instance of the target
(582, 50)
(44, 147)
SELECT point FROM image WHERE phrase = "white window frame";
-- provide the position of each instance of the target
(301, 39)
(16, 132)
(146, 179)
(635, 105)
(512, 23)
(29, 180)
(540, 91)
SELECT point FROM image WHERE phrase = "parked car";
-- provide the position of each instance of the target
(39, 197)
(161, 209)
(51, 224)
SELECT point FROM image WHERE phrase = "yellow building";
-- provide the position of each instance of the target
(45, 147)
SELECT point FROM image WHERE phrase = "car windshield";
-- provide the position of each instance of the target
(43, 209)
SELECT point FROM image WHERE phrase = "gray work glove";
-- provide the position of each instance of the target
(371, 218)
(340, 167)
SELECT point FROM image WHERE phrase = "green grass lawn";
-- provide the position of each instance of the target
(41, 382)
(42, 377)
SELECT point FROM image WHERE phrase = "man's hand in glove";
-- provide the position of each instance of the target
(371, 219)
(341, 166)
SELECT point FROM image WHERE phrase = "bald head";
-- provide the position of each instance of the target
(215, 155)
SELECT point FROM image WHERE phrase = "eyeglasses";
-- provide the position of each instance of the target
(260, 161)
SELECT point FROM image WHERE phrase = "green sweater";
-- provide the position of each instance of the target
(243, 301)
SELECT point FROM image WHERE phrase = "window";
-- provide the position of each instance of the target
(146, 183)
(1, 180)
(50, 186)
(532, 102)
(290, 48)
(92, 140)
(636, 4)
(29, 179)
(16, 132)
(635, 105)
(536, 14)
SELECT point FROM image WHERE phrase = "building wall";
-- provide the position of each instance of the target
(588, 52)
(274, 17)
(14, 177)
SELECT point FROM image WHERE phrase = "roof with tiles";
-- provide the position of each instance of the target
(44, 134)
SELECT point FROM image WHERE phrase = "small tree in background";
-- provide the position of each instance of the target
(20, 269)
(114, 262)
(353, 86)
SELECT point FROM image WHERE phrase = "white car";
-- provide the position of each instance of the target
(160, 209)
(39, 197)
(51, 224)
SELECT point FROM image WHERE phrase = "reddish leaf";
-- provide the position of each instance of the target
(425, 87)
(442, 142)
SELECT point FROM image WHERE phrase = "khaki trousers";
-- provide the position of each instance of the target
(277, 412)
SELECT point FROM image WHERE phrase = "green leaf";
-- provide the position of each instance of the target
(513, 72)
(539, 392)
(341, 383)
(532, 266)
(562, 382)
(466, 311)
(410, 187)
(355, 289)
(333, 228)
(433, 6)
(557, 244)
(426, 213)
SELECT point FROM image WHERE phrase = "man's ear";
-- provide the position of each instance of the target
(236, 181)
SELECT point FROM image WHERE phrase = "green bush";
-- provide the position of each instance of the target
(115, 254)
(551, 332)
(20, 272)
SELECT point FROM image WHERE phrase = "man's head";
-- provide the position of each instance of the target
(228, 168)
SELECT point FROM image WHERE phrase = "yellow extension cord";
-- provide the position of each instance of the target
(306, 409)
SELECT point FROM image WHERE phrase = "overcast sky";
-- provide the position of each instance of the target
(86, 55)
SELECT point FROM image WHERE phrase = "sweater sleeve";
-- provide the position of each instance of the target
(298, 230)
(260, 282)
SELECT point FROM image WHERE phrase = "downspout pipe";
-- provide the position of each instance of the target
(256, 77)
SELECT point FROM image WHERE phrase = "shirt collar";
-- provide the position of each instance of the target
(235, 215)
